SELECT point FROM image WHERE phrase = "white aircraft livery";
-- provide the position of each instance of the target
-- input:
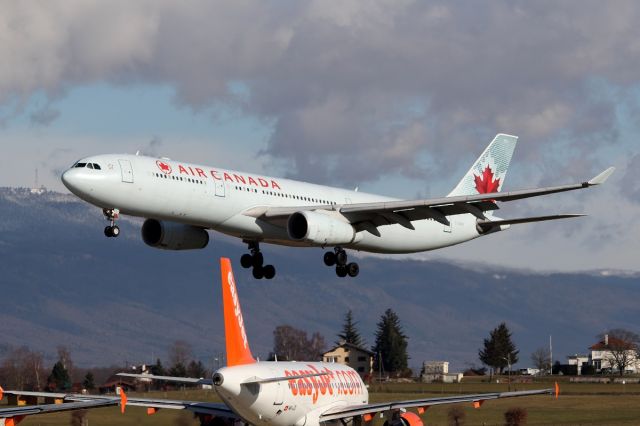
(270, 393)
(181, 201)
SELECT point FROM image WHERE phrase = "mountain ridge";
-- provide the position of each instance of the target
(118, 301)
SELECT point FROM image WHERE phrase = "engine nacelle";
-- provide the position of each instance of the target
(404, 419)
(319, 229)
(173, 236)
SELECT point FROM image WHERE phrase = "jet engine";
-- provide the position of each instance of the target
(173, 236)
(319, 229)
(404, 419)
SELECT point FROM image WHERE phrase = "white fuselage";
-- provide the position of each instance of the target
(216, 199)
(292, 402)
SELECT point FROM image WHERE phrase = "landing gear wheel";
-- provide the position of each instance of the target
(258, 273)
(341, 271)
(353, 269)
(341, 258)
(329, 258)
(246, 261)
(257, 260)
(111, 215)
(269, 272)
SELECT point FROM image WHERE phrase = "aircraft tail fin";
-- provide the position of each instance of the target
(238, 351)
(490, 169)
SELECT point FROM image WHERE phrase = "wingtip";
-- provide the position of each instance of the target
(602, 177)
(1, 393)
(557, 390)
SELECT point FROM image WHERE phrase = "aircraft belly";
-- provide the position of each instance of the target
(427, 235)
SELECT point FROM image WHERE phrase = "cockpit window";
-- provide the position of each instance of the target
(80, 165)
(96, 166)
(89, 166)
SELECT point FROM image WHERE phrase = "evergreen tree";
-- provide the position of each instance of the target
(88, 382)
(196, 370)
(157, 369)
(391, 344)
(59, 377)
(178, 370)
(349, 332)
(499, 350)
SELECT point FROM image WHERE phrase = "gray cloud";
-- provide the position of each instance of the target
(354, 89)
(631, 181)
(44, 116)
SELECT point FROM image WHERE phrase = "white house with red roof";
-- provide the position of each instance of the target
(603, 354)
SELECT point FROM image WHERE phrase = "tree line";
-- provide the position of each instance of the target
(390, 347)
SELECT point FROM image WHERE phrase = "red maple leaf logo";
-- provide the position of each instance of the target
(485, 184)
(164, 167)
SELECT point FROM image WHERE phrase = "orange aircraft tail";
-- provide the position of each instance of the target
(238, 351)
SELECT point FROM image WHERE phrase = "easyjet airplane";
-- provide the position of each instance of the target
(267, 393)
(181, 201)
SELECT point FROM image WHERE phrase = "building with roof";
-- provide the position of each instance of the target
(604, 352)
(356, 357)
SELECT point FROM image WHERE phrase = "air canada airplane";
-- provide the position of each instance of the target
(270, 393)
(181, 201)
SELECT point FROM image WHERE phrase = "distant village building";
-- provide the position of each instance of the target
(438, 371)
(601, 356)
(579, 361)
(360, 359)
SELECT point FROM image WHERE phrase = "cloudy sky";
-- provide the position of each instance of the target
(396, 97)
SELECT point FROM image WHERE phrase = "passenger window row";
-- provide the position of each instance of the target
(283, 195)
(179, 178)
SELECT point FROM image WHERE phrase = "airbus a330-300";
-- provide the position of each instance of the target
(182, 201)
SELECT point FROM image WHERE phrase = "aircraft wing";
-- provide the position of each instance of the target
(368, 216)
(18, 413)
(80, 402)
(368, 411)
(185, 380)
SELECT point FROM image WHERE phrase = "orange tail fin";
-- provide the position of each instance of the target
(238, 351)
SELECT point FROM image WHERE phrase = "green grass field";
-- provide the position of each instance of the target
(579, 404)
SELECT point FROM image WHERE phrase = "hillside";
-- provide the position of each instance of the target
(117, 300)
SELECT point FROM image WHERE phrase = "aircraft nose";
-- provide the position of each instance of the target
(69, 180)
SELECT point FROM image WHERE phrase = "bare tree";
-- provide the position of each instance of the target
(180, 352)
(541, 359)
(64, 356)
(290, 343)
(22, 369)
(622, 348)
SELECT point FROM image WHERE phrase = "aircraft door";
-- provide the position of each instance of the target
(127, 171)
(279, 396)
(219, 188)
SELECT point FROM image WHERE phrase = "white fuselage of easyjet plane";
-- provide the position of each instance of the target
(216, 198)
(293, 402)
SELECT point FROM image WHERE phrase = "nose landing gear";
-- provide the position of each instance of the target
(338, 257)
(112, 230)
(255, 260)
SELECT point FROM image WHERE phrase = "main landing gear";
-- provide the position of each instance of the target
(112, 230)
(338, 257)
(255, 260)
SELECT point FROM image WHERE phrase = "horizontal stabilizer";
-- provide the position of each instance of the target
(283, 378)
(488, 224)
(186, 380)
